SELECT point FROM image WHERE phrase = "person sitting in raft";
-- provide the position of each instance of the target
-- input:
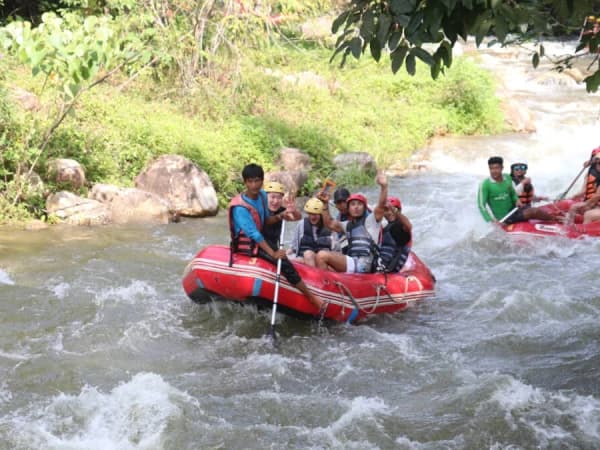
(590, 188)
(361, 229)
(522, 184)
(396, 238)
(498, 194)
(592, 209)
(248, 214)
(340, 200)
(275, 203)
(311, 236)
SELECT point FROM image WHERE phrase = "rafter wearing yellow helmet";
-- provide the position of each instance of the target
(313, 206)
(274, 186)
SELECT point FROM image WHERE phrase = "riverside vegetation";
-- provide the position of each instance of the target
(220, 103)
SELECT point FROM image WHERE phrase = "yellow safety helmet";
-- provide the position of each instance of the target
(313, 206)
(274, 186)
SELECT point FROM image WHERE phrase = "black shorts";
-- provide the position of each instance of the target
(515, 217)
(287, 268)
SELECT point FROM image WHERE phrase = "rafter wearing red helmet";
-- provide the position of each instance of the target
(361, 229)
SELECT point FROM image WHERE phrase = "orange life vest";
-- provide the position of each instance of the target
(591, 185)
(525, 197)
(242, 243)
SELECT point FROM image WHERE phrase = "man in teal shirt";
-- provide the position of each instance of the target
(498, 201)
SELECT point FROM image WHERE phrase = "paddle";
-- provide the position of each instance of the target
(277, 282)
(508, 215)
(564, 194)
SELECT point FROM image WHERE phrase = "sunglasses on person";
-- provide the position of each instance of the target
(520, 167)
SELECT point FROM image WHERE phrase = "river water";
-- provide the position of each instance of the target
(101, 349)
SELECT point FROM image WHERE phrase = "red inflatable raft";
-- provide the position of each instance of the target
(575, 231)
(349, 297)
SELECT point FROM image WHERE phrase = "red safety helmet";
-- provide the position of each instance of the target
(395, 202)
(596, 152)
(359, 197)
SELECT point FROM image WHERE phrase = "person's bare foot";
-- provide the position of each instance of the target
(316, 301)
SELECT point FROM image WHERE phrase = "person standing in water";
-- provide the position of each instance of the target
(498, 200)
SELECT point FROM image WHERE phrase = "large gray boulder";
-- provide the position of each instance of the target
(75, 210)
(359, 160)
(25, 99)
(292, 181)
(518, 116)
(294, 167)
(131, 205)
(66, 171)
(293, 159)
(187, 189)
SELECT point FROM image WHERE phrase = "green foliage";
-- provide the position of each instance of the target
(244, 110)
(403, 27)
(468, 107)
(70, 54)
(354, 176)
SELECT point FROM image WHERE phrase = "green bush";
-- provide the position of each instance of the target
(469, 106)
(223, 125)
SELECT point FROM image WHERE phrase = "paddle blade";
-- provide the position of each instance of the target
(353, 315)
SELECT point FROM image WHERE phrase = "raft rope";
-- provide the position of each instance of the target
(323, 310)
(382, 287)
(345, 291)
(379, 288)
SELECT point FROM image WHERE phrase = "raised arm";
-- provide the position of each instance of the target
(328, 221)
(291, 212)
(379, 210)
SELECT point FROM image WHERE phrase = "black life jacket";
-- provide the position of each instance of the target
(307, 242)
(272, 232)
(394, 247)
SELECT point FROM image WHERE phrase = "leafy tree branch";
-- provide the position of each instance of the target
(428, 29)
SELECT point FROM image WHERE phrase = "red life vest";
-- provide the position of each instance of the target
(242, 243)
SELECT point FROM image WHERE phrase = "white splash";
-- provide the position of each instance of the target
(553, 416)
(5, 394)
(360, 408)
(136, 289)
(61, 290)
(134, 415)
(5, 279)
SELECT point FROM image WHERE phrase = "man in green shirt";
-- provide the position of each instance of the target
(498, 199)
